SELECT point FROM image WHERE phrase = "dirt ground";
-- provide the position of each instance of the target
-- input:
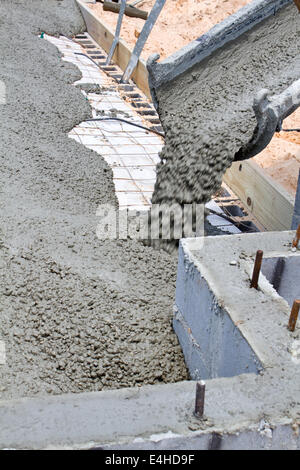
(182, 21)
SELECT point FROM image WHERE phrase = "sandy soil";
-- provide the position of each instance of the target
(180, 22)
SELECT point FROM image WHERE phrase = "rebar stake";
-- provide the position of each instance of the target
(297, 2)
(294, 315)
(257, 268)
(297, 238)
(199, 402)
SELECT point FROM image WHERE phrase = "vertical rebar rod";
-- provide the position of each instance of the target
(199, 401)
(294, 315)
(297, 238)
(257, 268)
(297, 2)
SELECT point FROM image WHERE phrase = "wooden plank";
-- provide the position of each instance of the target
(269, 203)
(103, 35)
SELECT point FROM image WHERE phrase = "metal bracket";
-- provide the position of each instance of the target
(117, 33)
(270, 111)
(147, 28)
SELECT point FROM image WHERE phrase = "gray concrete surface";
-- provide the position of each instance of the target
(212, 344)
(213, 299)
(81, 315)
(282, 272)
(153, 417)
(207, 112)
(77, 314)
(249, 411)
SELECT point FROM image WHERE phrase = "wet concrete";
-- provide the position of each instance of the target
(76, 314)
(248, 411)
(207, 111)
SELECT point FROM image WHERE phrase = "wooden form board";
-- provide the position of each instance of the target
(269, 203)
(104, 36)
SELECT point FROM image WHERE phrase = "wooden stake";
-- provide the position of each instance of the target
(129, 10)
(294, 315)
(257, 268)
(199, 401)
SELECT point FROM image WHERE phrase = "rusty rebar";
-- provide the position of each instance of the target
(199, 401)
(297, 238)
(297, 2)
(257, 268)
(294, 315)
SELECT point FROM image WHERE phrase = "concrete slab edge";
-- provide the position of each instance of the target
(113, 420)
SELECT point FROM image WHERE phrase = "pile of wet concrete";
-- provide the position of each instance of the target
(76, 313)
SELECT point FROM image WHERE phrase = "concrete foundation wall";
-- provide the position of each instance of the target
(248, 411)
(212, 345)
